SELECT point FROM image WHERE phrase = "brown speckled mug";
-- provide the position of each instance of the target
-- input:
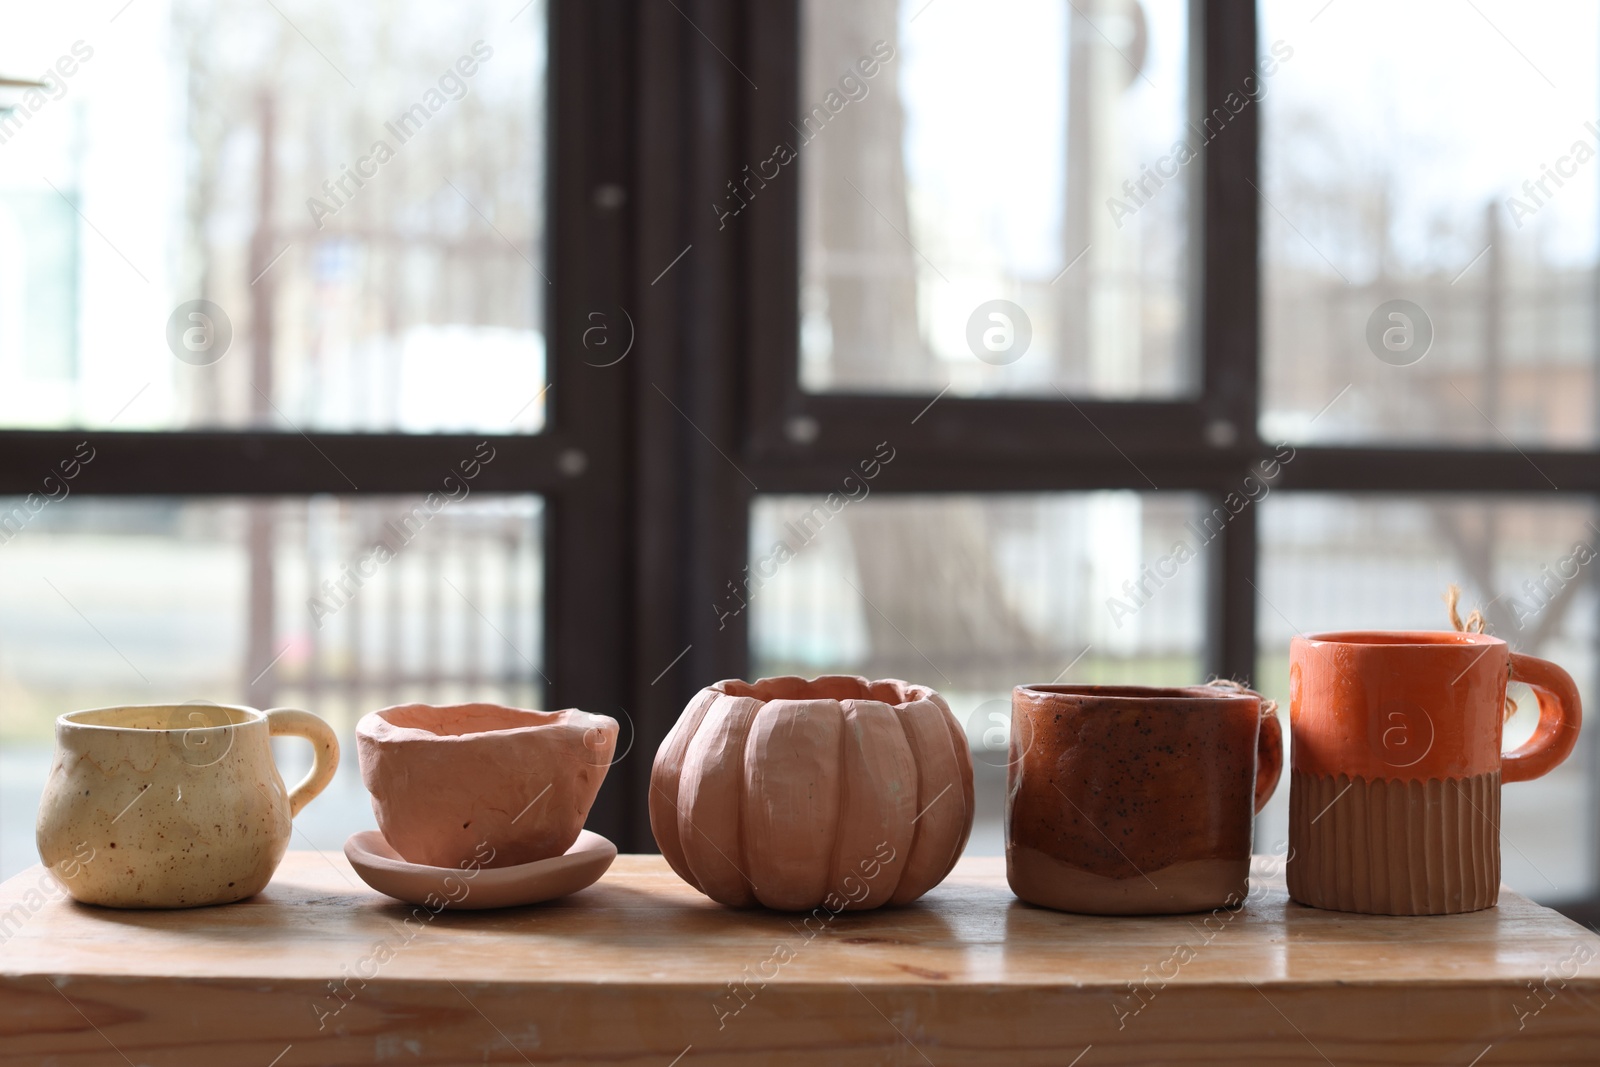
(1130, 800)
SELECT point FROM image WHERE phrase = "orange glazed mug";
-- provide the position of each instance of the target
(1394, 793)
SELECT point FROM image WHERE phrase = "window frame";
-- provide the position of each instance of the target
(749, 280)
(677, 438)
(576, 463)
(736, 358)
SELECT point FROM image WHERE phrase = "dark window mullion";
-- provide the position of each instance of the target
(224, 462)
(1231, 598)
(588, 548)
(1227, 279)
(1227, 286)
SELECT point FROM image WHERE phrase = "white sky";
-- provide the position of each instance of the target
(1432, 91)
(116, 142)
(985, 89)
(1436, 92)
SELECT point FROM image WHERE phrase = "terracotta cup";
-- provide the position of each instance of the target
(174, 805)
(500, 786)
(1128, 800)
(1394, 797)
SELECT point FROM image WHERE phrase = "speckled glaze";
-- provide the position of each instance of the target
(448, 782)
(177, 806)
(1129, 800)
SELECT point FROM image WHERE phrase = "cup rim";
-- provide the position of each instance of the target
(1402, 638)
(1134, 694)
(378, 726)
(69, 718)
(795, 687)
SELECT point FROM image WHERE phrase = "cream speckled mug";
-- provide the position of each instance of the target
(181, 804)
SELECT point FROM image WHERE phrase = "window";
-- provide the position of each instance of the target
(369, 256)
(972, 185)
(1380, 188)
(274, 602)
(1346, 561)
(1100, 278)
(279, 417)
(973, 593)
(1228, 329)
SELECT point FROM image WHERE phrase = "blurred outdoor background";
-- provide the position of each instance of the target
(415, 305)
(979, 165)
(989, 171)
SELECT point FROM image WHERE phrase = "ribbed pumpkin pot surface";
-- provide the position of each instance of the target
(791, 793)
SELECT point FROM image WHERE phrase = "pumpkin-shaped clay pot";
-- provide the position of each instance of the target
(792, 794)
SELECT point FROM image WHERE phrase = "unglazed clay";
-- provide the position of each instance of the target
(173, 806)
(794, 794)
(449, 781)
(1126, 800)
(474, 884)
(1394, 802)
(1390, 846)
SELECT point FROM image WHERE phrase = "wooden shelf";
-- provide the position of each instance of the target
(641, 969)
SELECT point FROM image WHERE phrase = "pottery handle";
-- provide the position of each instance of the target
(1269, 754)
(292, 722)
(1560, 716)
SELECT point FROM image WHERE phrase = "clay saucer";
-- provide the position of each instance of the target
(381, 867)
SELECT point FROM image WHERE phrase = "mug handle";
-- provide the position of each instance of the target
(1269, 754)
(292, 722)
(1560, 716)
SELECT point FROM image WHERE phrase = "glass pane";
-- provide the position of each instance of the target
(1429, 202)
(1338, 562)
(291, 216)
(974, 595)
(264, 603)
(994, 196)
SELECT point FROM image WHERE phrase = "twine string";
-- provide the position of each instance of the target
(1474, 624)
(1268, 707)
(1475, 620)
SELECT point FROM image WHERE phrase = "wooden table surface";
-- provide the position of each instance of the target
(641, 969)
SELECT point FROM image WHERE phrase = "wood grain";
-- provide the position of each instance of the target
(641, 968)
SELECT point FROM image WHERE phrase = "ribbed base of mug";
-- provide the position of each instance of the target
(1389, 847)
